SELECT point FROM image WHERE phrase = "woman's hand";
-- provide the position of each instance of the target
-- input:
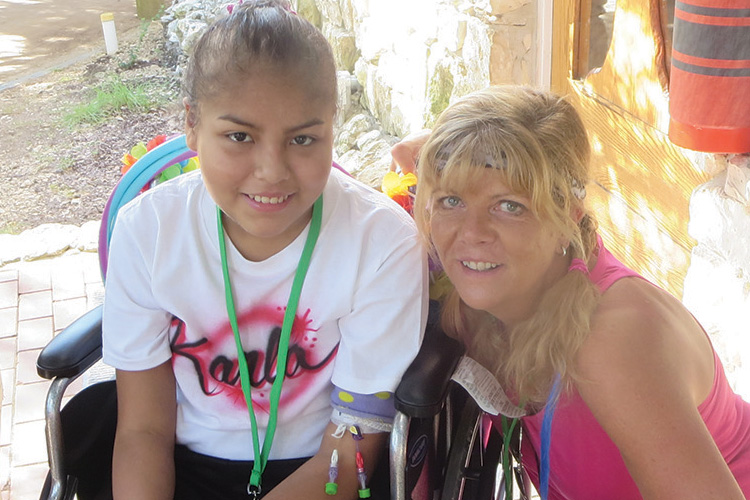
(406, 152)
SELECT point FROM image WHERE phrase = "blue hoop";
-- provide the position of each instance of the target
(139, 176)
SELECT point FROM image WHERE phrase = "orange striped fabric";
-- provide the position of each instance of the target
(709, 92)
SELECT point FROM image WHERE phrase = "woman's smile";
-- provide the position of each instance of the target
(479, 265)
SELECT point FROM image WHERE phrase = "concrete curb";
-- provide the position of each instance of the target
(48, 240)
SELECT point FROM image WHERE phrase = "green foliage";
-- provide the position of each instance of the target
(161, 12)
(135, 49)
(439, 92)
(64, 163)
(11, 227)
(112, 97)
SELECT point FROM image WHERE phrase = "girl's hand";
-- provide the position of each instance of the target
(406, 152)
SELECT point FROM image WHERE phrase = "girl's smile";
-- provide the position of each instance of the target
(268, 202)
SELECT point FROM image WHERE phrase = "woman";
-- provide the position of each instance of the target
(635, 397)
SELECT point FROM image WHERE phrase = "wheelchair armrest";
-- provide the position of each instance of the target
(74, 349)
(425, 383)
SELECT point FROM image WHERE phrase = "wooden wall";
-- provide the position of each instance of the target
(642, 182)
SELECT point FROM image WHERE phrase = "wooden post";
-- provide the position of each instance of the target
(148, 9)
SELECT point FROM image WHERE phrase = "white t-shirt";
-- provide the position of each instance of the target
(359, 323)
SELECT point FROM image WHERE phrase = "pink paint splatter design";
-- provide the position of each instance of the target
(214, 357)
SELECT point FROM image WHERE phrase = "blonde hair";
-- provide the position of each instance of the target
(537, 142)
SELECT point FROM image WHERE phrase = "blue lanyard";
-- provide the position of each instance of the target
(549, 413)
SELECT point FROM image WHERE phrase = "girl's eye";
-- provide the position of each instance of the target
(511, 207)
(449, 202)
(240, 137)
(302, 140)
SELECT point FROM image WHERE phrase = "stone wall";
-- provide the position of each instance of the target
(401, 62)
(717, 285)
(413, 57)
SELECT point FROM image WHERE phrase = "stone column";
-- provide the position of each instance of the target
(717, 285)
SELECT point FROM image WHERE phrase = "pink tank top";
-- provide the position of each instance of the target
(584, 462)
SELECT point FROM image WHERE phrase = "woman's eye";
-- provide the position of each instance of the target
(449, 202)
(302, 140)
(239, 137)
(511, 207)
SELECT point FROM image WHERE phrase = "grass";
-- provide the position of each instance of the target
(65, 78)
(112, 97)
(9, 108)
(64, 163)
(11, 227)
(63, 190)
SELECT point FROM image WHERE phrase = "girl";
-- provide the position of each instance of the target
(643, 409)
(212, 264)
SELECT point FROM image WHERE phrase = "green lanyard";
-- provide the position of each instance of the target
(508, 428)
(261, 456)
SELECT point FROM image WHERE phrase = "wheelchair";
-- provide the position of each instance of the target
(440, 446)
(442, 443)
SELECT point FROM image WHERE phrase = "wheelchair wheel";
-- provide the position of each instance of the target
(471, 472)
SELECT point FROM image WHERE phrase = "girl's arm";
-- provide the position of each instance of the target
(143, 462)
(644, 370)
(309, 481)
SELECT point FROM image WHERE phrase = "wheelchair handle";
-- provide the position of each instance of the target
(425, 383)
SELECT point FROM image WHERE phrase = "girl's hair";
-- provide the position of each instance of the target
(255, 36)
(537, 143)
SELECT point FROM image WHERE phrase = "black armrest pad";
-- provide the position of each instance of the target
(74, 349)
(425, 384)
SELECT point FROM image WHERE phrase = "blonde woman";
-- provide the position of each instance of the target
(620, 385)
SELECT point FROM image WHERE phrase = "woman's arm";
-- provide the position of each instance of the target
(309, 481)
(406, 152)
(143, 463)
(644, 370)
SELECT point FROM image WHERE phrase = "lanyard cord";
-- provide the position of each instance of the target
(508, 429)
(261, 456)
(549, 413)
(546, 435)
